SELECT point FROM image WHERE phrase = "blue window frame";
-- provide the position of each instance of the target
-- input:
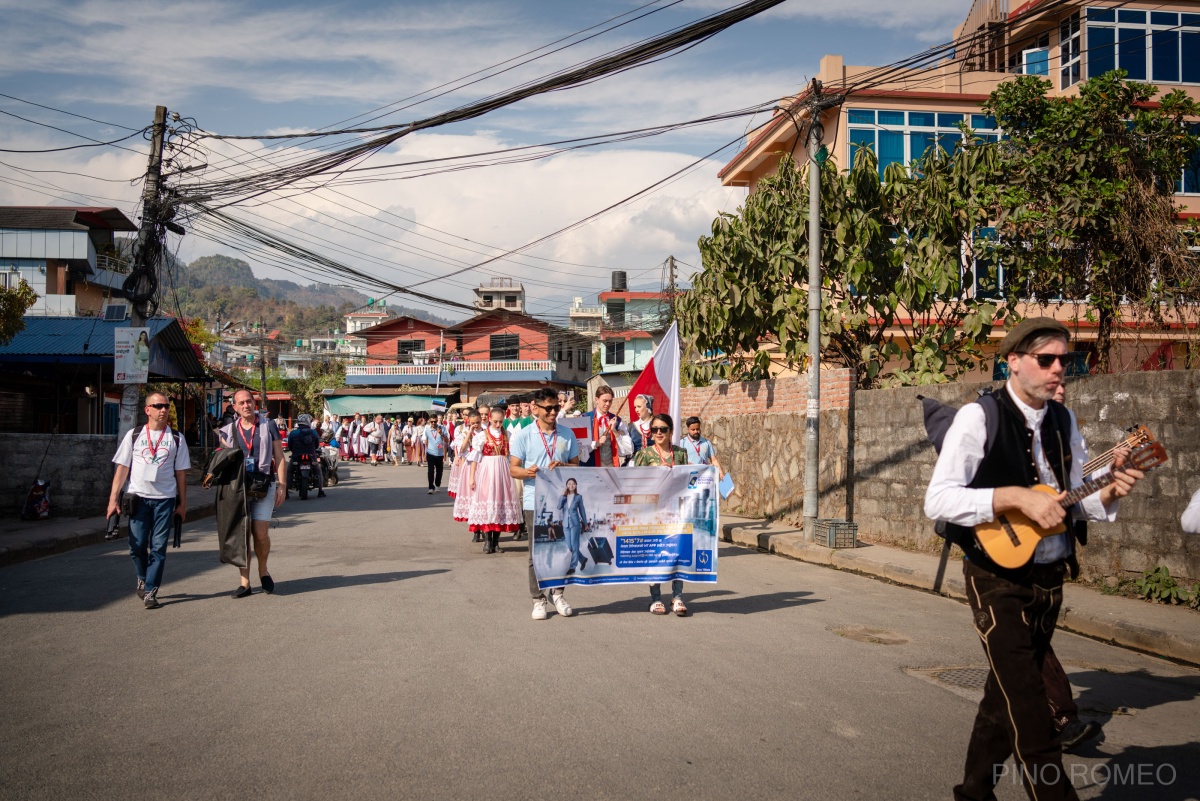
(1156, 46)
(894, 142)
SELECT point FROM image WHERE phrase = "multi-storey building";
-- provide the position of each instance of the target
(900, 119)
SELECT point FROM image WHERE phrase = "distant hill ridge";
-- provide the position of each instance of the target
(207, 276)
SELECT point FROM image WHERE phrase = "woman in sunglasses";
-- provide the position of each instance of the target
(659, 452)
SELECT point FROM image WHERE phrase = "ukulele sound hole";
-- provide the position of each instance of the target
(1008, 529)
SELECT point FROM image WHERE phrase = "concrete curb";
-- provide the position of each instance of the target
(1084, 610)
(90, 532)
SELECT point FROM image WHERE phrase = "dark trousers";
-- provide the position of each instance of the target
(1058, 691)
(1015, 622)
(433, 469)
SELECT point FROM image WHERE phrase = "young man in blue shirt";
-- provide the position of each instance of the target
(544, 445)
(699, 450)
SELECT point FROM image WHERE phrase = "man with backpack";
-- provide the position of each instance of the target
(992, 455)
(155, 460)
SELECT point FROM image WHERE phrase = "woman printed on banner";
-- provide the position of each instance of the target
(462, 502)
(573, 516)
(495, 505)
(659, 452)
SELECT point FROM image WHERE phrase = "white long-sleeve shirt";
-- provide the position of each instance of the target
(948, 497)
(1191, 516)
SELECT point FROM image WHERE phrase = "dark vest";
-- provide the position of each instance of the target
(1009, 462)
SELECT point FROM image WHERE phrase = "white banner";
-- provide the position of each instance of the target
(131, 355)
(607, 525)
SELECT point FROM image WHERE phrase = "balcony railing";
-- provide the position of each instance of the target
(112, 264)
(448, 368)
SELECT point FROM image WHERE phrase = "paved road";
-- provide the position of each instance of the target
(397, 661)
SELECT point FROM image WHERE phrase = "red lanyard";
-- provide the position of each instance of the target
(154, 448)
(553, 442)
(696, 447)
(670, 456)
(248, 441)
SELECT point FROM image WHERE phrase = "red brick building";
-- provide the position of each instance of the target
(395, 341)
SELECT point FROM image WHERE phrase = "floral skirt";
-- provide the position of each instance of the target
(495, 505)
(462, 490)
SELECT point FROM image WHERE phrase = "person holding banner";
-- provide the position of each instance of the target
(542, 446)
(495, 507)
(661, 453)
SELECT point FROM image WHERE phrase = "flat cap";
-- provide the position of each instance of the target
(1027, 328)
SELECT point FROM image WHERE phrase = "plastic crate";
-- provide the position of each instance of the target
(837, 534)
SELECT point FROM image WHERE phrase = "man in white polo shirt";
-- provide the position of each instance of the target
(155, 460)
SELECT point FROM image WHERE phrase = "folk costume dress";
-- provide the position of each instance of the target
(463, 494)
(458, 469)
(495, 505)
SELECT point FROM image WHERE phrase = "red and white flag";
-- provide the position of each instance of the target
(660, 379)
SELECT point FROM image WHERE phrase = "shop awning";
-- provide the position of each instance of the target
(349, 405)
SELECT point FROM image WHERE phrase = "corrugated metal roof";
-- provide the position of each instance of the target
(64, 218)
(93, 337)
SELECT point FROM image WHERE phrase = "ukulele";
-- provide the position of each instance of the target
(1011, 538)
(1135, 437)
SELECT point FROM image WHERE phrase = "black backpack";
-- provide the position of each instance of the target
(137, 432)
(939, 416)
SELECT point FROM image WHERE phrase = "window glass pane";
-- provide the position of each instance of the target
(891, 117)
(1131, 52)
(989, 137)
(949, 120)
(1165, 56)
(860, 116)
(1191, 57)
(987, 279)
(860, 138)
(1192, 20)
(1102, 56)
(1064, 78)
(1037, 62)
(891, 149)
(1191, 175)
(949, 141)
(922, 119)
(1131, 16)
(1163, 18)
(983, 121)
(1102, 15)
(918, 143)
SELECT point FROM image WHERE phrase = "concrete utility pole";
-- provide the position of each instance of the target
(671, 287)
(262, 364)
(137, 318)
(812, 430)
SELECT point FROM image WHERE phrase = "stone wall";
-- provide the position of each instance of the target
(78, 467)
(878, 440)
(757, 431)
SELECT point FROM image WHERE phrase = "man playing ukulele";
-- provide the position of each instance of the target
(1015, 611)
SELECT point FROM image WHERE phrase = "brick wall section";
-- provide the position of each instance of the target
(760, 397)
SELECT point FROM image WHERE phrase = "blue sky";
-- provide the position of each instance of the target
(254, 68)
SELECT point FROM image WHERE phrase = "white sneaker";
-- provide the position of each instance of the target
(539, 609)
(429, 493)
(560, 603)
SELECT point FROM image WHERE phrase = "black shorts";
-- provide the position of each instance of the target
(375, 448)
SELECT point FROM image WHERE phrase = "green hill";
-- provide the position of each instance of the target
(225, 288)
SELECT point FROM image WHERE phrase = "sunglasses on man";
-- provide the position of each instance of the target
(1045, 360)
(159, 406)
(553, 408)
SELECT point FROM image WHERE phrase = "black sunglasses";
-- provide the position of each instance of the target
(1045, 360)
(659, 430)
(553, 408)
(158, 405)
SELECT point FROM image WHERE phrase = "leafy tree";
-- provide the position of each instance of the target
(14, 303)
(894, 269)
(329, 374)
(197, 333)
(1083, 197)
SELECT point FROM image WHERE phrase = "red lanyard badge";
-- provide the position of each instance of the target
(549, 447)
(696, 445)
(154, 448)
(248, 441)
